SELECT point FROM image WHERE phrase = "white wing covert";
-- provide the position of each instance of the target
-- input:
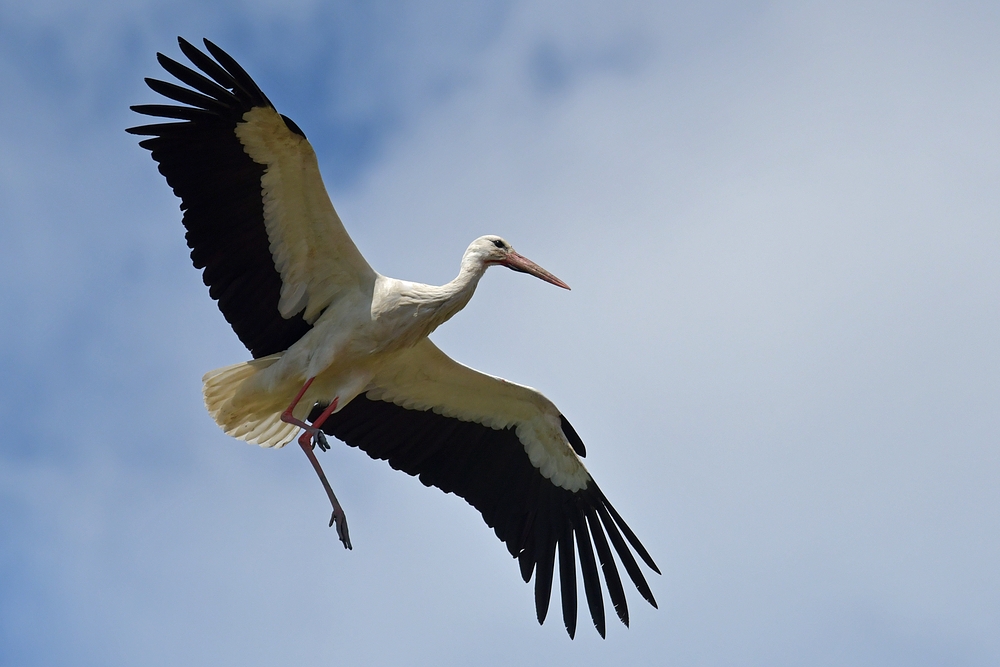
(312, 251)
(425, 378)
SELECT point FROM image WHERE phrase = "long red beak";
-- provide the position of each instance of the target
(524, 265)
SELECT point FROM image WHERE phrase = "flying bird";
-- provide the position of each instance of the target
(339, 349)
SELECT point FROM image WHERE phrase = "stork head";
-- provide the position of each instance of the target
(493, 250)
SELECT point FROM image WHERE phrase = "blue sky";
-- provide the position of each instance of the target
(780, 222)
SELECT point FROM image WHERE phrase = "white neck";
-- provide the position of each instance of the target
(453, 296)
(413, 310)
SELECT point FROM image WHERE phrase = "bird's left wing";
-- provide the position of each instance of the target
(508, 451)
(260, 223)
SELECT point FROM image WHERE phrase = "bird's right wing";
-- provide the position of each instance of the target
(507, 450)
(260, 223)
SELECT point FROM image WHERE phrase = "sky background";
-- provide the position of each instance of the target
(782, 348)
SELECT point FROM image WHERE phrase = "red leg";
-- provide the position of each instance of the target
(312, 434)
(287, 416)
(339, 517)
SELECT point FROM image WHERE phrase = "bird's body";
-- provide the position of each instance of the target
(339, 348)
(361, 336)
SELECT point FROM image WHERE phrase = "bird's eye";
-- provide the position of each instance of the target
(498, 243)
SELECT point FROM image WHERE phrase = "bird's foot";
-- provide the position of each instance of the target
(338, 517)
(313, 438)
(319, 440)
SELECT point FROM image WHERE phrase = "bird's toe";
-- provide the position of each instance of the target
(319, 440)
(340, 519)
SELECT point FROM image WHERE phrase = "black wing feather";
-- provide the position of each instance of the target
(220, 190)
(588, 566)
(186, 96)
(217, 72)
(197, 81)
(574, 440)
(626, 556)
(545, 556)
(490, 469)
(567, 579)
(633, 540)
(611, 577)
(171, 111)
(239, 75)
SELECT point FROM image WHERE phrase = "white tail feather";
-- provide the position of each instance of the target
(257, 421)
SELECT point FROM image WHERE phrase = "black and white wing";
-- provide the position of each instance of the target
(259, 221)
(509, 452)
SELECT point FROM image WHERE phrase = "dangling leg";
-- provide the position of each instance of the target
(312, 436)
(339, 517)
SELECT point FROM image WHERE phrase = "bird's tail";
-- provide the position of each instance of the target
(252, 416)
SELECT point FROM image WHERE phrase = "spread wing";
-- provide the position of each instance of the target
(259, 221)
(507, 450)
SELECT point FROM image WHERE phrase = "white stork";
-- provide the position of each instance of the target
(341, 349)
